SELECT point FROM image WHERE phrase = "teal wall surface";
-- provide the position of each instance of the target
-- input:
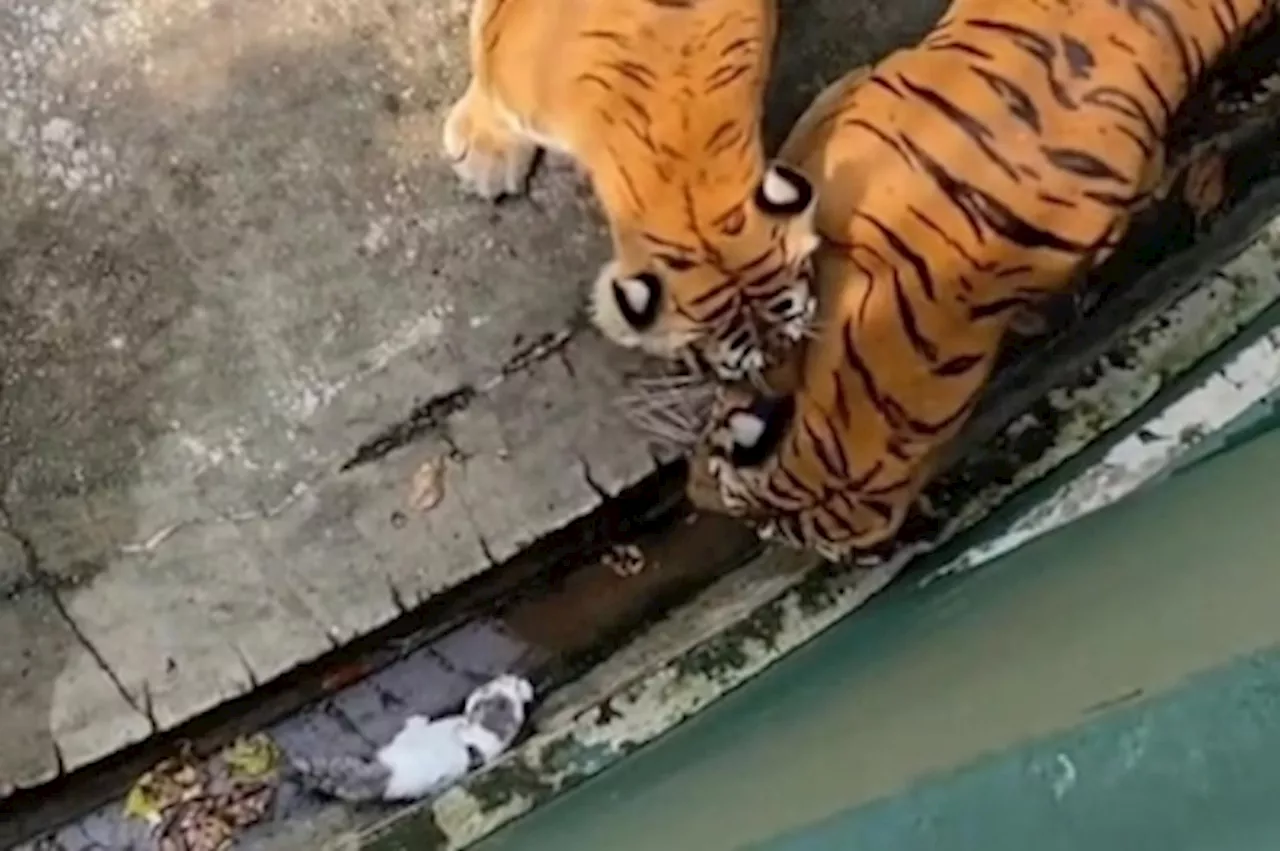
(1196, 770)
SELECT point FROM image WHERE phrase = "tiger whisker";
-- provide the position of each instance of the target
(665, 432)
(677, 433)
(649, 399)
(667, 386)
(691, 416)
(669, 375)
(669, 381)
(671, 402)
(658, 421)
(676, 413)
(691, 362)
(813, 330)
(757, 380)
(668, 398)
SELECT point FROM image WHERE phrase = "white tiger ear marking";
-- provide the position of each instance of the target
(784, 191)
(778, 191)
(746, 428)
(635, 293)
(638, 298)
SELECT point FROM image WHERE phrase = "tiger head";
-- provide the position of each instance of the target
(775, 462)
(726, 283)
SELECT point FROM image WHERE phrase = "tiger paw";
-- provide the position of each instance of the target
(1206, 184)
(489, 157)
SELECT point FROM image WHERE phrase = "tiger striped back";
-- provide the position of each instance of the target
(660, 102)
(962, 180)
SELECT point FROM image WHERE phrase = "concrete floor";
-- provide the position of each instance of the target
(230, 259)
(231, 264)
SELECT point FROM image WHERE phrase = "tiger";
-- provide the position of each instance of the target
(962, 181)
(660, 105)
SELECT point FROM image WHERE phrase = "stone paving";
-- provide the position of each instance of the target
(242, 303)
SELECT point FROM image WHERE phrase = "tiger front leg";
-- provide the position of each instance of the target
(489, 155)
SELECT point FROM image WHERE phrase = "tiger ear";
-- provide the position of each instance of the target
(784, 192)
(757, 430)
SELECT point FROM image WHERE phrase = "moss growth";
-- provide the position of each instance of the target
(817, 593)
(730, 651)
(417, 831)
(713, 659)
(573, 760)
(498, 787)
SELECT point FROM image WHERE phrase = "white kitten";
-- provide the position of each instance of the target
(426, 757)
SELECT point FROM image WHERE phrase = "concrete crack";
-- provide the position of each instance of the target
(484, 548)
(148, 706)
(590, 480)
(347, 723)
(244, 663)
(431, 416)
(475, 676)
(541, 348)
(425, 418)
(144, 710)
(150, 543)
(567, 362)
(59, 758)
(38, 578)
(397, 599)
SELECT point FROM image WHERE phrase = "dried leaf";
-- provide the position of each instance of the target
(210, 822)
(168, 783)
(201, 806)
(252, 757)
(141, 802)
(624, 560)
(249, 807)
(427, 488)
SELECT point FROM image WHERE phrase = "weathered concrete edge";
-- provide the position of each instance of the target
(1167, 346)
(1158, 355)
(1160, 446)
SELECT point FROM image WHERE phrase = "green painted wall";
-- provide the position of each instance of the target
(1196, 770)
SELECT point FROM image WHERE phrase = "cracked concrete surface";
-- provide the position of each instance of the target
(228, 258)
(241, 302)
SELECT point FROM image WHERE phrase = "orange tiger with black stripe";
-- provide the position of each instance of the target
(660, 102)
(961, 180)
